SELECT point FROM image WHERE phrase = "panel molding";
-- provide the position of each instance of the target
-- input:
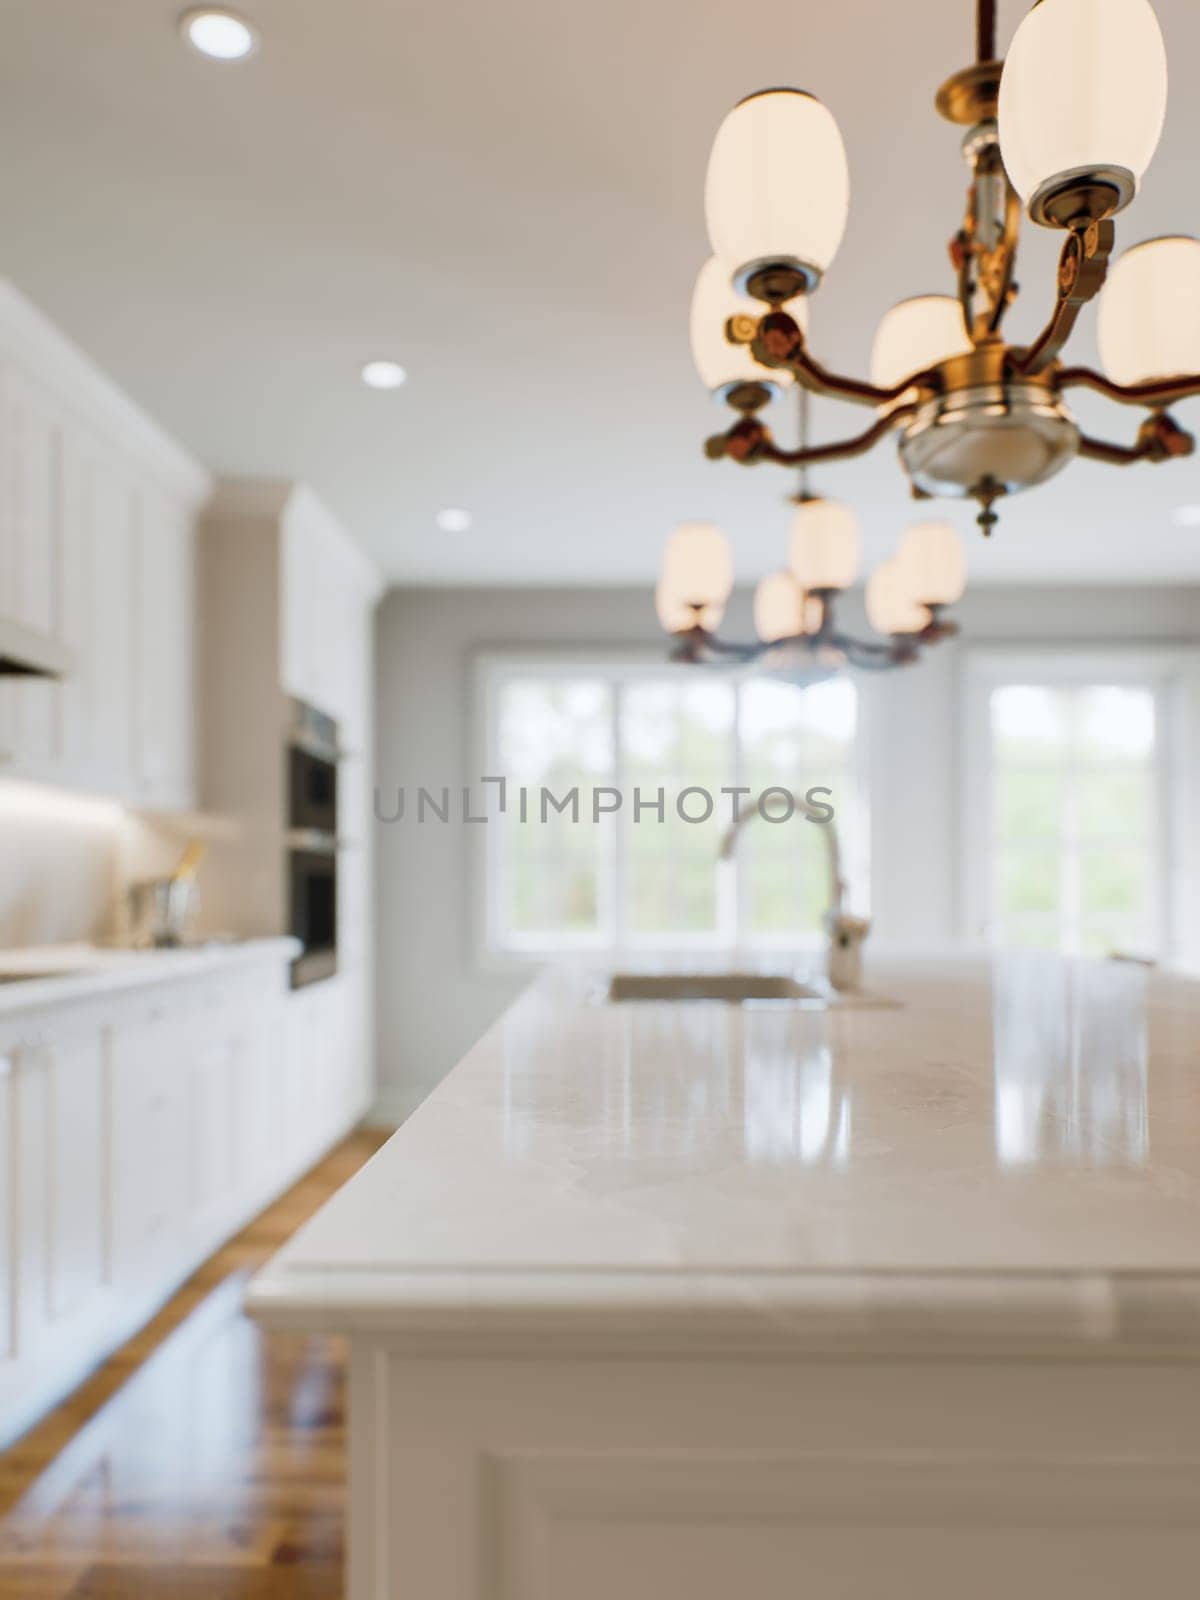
(529, 1494)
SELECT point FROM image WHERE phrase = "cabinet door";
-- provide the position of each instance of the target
(75, 1176)
(31, 454)
(166, 654)
(9, 1210)
(256, 1055)
(63, 1162)
(150, 1176)
(111, 511)
(299, 609)
(211, 1132)
(75, 692)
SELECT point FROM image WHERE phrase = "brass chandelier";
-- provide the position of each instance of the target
(1067, 125)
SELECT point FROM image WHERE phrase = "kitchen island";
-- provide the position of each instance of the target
(685, 1299)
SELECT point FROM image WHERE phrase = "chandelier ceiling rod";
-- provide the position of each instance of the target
(985, 31)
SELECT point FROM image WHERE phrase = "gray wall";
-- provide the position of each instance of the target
(433, 1002)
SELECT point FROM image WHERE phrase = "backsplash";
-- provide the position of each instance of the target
(59, 865)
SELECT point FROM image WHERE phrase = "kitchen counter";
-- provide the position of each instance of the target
(1016, 1149)
(648, 1298)
(34, 977)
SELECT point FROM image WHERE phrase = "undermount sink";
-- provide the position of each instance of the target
(36, 977)
(739, 989)
(735, 988)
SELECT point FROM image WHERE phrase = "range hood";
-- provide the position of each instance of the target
(25, 653)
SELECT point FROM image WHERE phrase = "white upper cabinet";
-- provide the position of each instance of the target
(30, 554)
(327, 592)
(107, 659)
(97, 516)
(166, 675)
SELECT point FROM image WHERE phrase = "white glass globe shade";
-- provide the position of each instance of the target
(825, 545)
(890, 606)
(675, 615)
(1149, 319)
(778, 187)
(932, 563)
(719, 363)
(1084, 88)
(916, 334)
(783, 611)
(696, 577)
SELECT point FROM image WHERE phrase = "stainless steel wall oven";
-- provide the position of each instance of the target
(312, 788)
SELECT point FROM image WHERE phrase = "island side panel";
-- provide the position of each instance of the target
(541, 1478)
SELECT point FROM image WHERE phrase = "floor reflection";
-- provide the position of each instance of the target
(1069, 1040)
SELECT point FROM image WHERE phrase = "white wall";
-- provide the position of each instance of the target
(433, 1002)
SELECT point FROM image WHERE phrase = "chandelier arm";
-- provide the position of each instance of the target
(1161, 392)
(871, 657)
(1114, 455)
(749, 440)
(812, 658)
(819, 380)
(698, 647)
(776, 340)
(1160, 438)
(1082, 267)
(842, 449)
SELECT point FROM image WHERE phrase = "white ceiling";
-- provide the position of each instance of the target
(507, 199)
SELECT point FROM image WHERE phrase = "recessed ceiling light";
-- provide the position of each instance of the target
(1186, 516)
(383, 375)
(453, 520)
(223, 35)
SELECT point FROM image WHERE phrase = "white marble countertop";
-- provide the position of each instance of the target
(1009, 1160)
(48, 975)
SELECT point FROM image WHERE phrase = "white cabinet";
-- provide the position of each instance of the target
(31, 443)
(295, 597)
(136, 1132)
(75, 1177)
(166, 676)
(150, 1054)
(108, 660)
(257, 1057)
(60, 1197)
(8, 1210)
(97, 516)
(299, 615)
(326, 596)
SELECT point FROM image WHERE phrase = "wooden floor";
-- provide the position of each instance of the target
(204, 1461)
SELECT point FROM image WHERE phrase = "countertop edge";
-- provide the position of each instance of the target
(142, 969)
(871, 1315)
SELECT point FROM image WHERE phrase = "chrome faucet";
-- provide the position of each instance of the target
(845, 932)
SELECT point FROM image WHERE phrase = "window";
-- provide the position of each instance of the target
(604, 860)
(1068, 805)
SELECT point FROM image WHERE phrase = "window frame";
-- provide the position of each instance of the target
(1172, 676)
(490, 670)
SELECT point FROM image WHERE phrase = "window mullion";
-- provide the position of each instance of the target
(736, 934)
(618, 867)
